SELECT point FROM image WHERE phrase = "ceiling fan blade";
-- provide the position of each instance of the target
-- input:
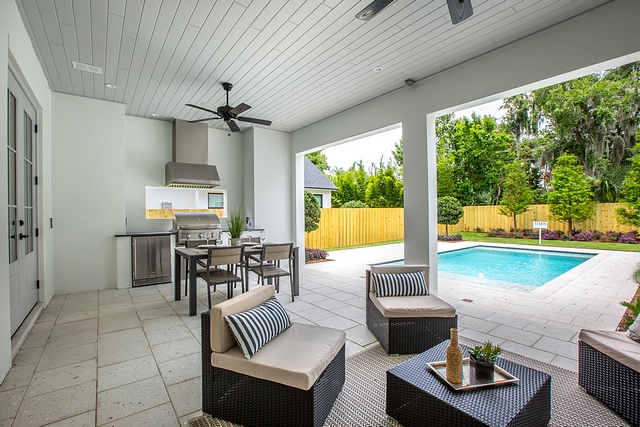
(256, 121)
(240, 109)
(233, 126)
(203, 120)
(202, 108)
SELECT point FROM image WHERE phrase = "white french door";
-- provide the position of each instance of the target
(21, 169)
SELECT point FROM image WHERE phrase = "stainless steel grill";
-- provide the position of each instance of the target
(197, 226)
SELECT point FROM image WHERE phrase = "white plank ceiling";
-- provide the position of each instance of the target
(295, 62)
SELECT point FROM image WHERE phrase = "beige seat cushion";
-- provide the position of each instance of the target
(413, 306)
(221, 336)
(295, 358)
(616, 345)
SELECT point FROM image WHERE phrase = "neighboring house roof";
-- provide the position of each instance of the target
(313, 178)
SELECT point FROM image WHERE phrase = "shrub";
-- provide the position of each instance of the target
(354, 204)
(627, 238)
(479, 230)
(311, 254)
(583, 236)
(451, 238)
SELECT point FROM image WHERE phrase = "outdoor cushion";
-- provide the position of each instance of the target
(616, 345)
(295, 358)
(254, 328)
(415, 306)
(222, 338)
(391, 269)
(634, 330)
(400, 284)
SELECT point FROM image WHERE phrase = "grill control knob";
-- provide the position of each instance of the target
(200, 236)
(188, 236)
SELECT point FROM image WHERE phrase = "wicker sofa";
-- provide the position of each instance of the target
(293, 380)
(609, 369)
(407, 324)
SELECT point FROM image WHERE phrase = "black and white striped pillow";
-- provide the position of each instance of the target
(254, 328)
(400, 284)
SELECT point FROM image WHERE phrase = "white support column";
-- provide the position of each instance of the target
(420, 200)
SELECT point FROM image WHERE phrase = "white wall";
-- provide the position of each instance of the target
(89, 200)
(17, 52)
(226, 150)
(326, 196)
(601, 38)
(147, 150)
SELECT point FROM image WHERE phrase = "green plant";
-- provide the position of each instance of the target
(449, 212)
(312, 212)
(354, 204)
(236, 222)
(486, 352)
(634, 307)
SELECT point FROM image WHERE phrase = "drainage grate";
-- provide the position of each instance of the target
(467, 300)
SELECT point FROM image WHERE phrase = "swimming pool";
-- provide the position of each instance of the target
(517, 269)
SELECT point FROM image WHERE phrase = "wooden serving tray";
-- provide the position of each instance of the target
(500, 377)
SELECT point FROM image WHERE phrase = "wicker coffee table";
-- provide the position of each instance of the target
(417, 397)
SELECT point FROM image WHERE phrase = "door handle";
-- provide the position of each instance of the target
(23, 236)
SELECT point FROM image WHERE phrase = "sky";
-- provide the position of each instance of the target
(373, 148)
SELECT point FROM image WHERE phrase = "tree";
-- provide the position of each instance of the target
(449, 211)
(630, 213)
(319, 160)
(517, 195)
(312, 212)
(354, 204)
(384, 189)
(571, 197)
(351, 184)
(398, 155)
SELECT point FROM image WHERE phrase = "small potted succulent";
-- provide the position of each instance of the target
(482, 361)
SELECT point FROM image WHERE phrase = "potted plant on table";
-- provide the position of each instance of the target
(236, 224)
(482, 360)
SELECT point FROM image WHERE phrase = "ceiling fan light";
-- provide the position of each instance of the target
(373, 9)
(110, 85)
(377, 69)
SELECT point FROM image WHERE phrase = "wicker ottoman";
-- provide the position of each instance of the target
(416, 397)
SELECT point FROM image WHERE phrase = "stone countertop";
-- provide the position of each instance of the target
(147, 233)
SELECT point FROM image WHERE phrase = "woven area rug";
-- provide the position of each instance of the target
(362, 400)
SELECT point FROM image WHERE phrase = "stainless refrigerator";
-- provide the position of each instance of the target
(151, 260)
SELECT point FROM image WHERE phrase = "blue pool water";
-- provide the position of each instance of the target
(518, 269)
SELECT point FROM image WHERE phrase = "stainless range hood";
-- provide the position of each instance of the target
(189, 168)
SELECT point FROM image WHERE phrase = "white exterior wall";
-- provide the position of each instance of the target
(226, 150)
(147, 150)
(17, 52)
(88, 191)
(596, 40)
(326, 196)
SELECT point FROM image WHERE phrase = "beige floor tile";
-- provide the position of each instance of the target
(36, 340)
(337, 322)
(186, 396)
(515, 335)
(159, 416)
(351, 348)
(18, 376)
(165, 334)
(78, 306)
(175, 349)
(360, 335)
(46, 316)
(315, 314)
(88, 419)
(74, 327)
(118, 320)
(130, 399)
(115, 306)
(74, 317)
(42, 327)
(10, 402)
(128, 372)
(182, 369)
(55, 358)
(28, 356)
(8, 423)
(63, 377)
(156, 312)
(57, 405)
(120, 346)
(72, 340)
(559, 347)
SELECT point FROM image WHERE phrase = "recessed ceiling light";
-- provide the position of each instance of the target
(377, 69)
(373, 9)
(110, 85)
(155, 115)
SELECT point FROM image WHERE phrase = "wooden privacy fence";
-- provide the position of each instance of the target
(350, 227)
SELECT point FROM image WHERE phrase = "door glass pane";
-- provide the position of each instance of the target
(28, 138)
(28, 181)
(11, 172)
(12, 121)
(13, 242)
(28, 230)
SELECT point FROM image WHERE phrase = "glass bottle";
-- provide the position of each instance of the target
(454, 359)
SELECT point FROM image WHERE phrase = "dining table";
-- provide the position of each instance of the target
(192, 255)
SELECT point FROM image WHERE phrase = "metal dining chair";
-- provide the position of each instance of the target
(269, 263)
(222, 267)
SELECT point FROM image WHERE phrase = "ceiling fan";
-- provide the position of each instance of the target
(229, 113)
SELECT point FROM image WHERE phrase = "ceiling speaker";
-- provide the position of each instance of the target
(459, 10)
(373, 9)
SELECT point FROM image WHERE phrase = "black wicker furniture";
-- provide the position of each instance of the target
(609, 369)
(417, 397)
(293, 380)
(411, 324)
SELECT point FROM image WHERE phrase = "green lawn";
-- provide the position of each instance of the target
(482, 237)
